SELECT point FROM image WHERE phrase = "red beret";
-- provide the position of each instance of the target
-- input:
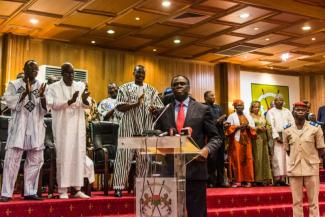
(299, 104)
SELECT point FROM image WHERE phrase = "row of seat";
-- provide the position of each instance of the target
(104, 139)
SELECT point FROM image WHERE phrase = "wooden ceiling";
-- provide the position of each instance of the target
(208, 30)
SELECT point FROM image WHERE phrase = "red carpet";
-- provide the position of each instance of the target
(223, 202)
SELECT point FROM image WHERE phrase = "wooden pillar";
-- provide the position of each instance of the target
(229, 84)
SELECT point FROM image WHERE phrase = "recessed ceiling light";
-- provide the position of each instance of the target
(256, 28)
(154, 50)
(245, 57)
(93, 42)
(110, 31)
(137, 18)
(177, 41)
(244, 15)
(166, 3)
(267, 39)
(285, 56)
(33, 21)
(306, 28)
(313, 39)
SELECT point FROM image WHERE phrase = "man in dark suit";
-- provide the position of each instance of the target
(321, 114)
(216, 163)
(185, 112)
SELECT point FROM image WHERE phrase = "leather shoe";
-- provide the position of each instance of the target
(33, 197)
(5, 199)
(118, 193)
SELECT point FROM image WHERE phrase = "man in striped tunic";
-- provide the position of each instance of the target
(26, 132)
(137, 101)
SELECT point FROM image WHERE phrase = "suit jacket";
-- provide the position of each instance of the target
(303, 147)
(321, 114)
(199, 118)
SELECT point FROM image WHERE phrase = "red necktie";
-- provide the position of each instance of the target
(180, 118)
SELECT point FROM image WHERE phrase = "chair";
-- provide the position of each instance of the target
(104, 137)
(48, 168)
(4, 121)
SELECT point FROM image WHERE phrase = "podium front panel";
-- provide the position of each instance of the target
(159, 197)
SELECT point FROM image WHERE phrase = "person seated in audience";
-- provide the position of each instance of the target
(52, 79)
(25, 97)
(262, 167)
(240, 133)
(106, 107)
(68, 100)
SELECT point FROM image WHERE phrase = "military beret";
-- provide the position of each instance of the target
(299, 104)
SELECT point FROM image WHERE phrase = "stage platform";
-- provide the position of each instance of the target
(222, 202)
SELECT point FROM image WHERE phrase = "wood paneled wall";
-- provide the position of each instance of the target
(105, 65)
(229, 85)
(312, 88)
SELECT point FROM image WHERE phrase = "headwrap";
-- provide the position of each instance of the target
(237, 102)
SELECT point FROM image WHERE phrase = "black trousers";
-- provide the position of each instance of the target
(216, 163)
(196, 204)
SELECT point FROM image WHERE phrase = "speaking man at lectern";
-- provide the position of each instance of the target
(185, 112)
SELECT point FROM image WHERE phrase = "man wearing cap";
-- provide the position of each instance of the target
(137, 101)
(304, 143)
(279, 117)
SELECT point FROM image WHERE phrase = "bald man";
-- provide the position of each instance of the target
(68, 100)
(279, 117)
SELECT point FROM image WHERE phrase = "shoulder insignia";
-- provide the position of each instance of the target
(312, 123)
(287, 126)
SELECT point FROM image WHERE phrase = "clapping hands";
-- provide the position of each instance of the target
(42, 90)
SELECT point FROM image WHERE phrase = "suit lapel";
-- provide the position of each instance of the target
(190, 109)
(171, 114)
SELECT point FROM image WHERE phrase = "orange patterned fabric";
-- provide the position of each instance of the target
(240, 155)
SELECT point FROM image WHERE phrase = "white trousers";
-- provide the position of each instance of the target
(32, 167)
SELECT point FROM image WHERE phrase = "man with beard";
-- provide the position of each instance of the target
(304, 143)
(68, 100)
(185, 112)
(106, 107)
(25, 98)
(137, 101)
(278, 117)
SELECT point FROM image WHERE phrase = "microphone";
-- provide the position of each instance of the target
(169, 132)
(163, 111)
(152, 131)
(186, 131)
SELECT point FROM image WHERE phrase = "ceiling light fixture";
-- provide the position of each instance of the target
(177, 41)
(267, 39)
(285, 57)
(154, 50)
(33, 21)
(93, 42)
(110, 31)
(306, 28)
(137, 18)
(256, 28)
(244, 15)
(313, 39)
(166, 3)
